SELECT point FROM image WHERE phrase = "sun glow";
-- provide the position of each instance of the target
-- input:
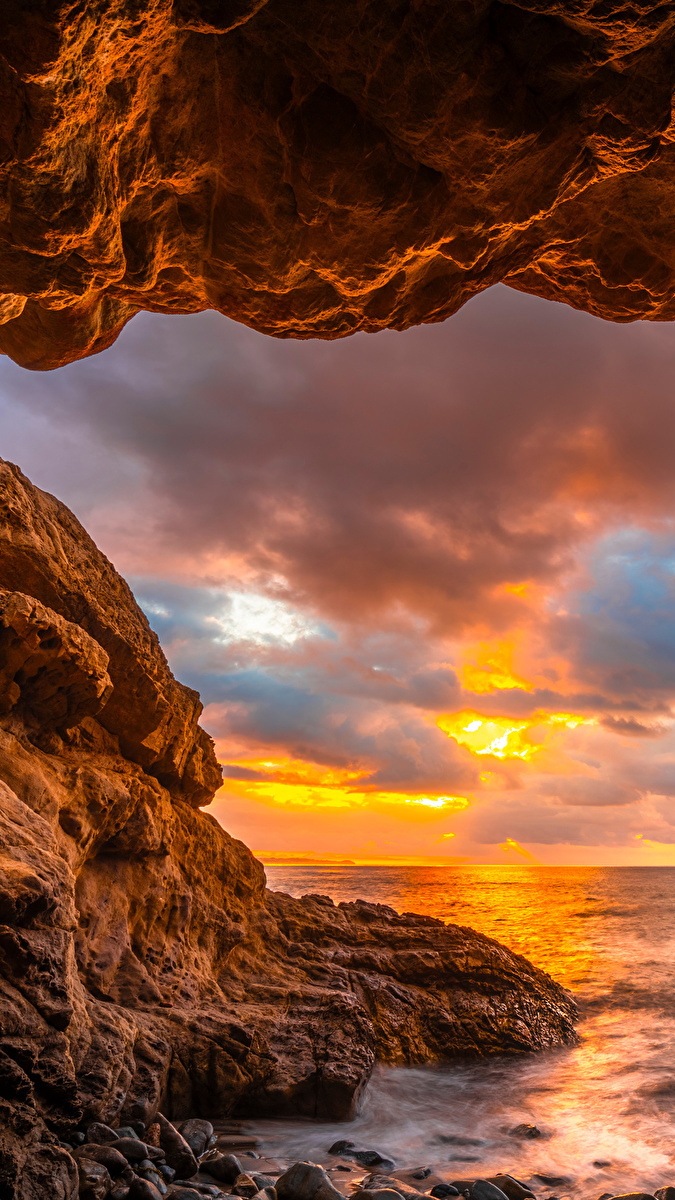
(294, 783)
(489, 667)
(505, 737)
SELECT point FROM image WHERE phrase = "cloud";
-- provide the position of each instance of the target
(340, 542)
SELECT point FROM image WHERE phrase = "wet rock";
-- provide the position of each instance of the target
(119, 1193)
(634, 1196)
(442, 1190)
(196, 1133)
(263, 1181)
(342, 1167)
(153, 1177)
(100, 1134)
(178, 1154)
(95, 1182)
(183, 1193)
(108, 1155)
(553, 1180)
(266, 1193)
(665, 1193)
(127, 1131)
(376, 1194)
(599, 1163)
(224, 1167)
(513, 1188)
(482, 1189)
(133, 1149)
(245, 1186)
(77, 1138)
(143, 1189)
(305, 1181)
(524, 1131)
(168, 1174)
(365, 1158)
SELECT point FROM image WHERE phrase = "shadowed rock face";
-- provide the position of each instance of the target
(312, 170)
(142, 961)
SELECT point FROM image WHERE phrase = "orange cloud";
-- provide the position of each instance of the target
(489, 667)
(506, 737)
(293, 783)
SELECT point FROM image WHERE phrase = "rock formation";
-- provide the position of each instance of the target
(313, 169)
(143, 962)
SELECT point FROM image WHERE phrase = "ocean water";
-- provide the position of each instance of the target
(605, 1107)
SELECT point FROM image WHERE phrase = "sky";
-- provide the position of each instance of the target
(423, 581)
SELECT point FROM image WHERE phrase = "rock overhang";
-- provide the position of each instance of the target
(374, 168)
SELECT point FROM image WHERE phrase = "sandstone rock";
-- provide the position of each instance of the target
(144, 963)
(312, 171)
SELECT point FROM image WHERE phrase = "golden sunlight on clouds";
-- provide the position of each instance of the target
(293, 783)
(489, 667)
(506, 737)
(511, 846)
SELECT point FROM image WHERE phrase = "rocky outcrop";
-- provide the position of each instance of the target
(143, 963)
(313, 169)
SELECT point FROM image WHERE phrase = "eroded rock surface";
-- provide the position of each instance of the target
(143, 964)
(313, 169)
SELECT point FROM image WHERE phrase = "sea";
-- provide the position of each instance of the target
(605, 1106)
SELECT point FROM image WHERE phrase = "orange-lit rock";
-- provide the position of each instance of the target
(313, 170)
(142, 961)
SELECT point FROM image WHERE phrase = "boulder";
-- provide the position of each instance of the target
(305, 1181)
(107, 1155)
(197, 1133)
(224, 1167)
(95, 1182)
(340, 174)
(100, 1134)
(178, 1154)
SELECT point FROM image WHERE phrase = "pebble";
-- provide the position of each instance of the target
(126, 1131)
(554, 1180)
(443, 1190)
(600, 1163)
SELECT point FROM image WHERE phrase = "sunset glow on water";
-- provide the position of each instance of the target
(607, 934)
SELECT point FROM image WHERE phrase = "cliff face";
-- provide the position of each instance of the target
(142, 961)
(313, 169)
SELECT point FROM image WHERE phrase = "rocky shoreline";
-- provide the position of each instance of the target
(145, 967)
(195, 1160)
